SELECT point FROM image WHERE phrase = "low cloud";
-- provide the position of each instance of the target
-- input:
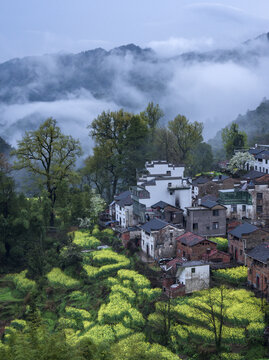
(212, 90)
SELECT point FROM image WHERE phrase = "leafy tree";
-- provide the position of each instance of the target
(202, 158)
(120, 139)
(50, 156)
(188, 135)
(152, 115)
(239, 161)
(233, 139)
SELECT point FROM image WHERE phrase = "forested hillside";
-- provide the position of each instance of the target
(255, 123)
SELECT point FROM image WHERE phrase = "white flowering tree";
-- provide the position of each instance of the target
(239, 161)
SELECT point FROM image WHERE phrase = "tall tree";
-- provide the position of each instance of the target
(50, 156)
(120, 139)
(233, 139)
(188, 135)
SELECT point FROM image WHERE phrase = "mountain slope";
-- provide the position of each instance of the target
(255, 123)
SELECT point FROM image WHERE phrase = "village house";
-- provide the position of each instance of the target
(158, 238)
(257, 261)
(259, 191)
(207, 219)
(244, 238)
(185, 277)
(238, 203)
(168, 213)
(162, 182)
(261, 158)
(217, 256)
(192, 247)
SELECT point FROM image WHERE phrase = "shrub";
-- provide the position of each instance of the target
(21, 282)
(235, 276)
(58, 278)
(222, 243)
(85, 241)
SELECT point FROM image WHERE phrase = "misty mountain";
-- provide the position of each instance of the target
(5, 148)
(54, 77)
(212, 87)
(255, 123)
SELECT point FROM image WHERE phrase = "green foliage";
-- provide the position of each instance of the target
(85, 241)
(233, 139)
(188, 135)
(222, 243)
(21, 282)
(235, 276)
(50, 156)
(238, 311)
(135, 347)
(57, 277)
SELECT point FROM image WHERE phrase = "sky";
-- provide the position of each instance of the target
(31, 27)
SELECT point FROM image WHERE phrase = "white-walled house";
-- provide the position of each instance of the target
(261, 156)
(124, 212)
(184, 277)
(158, 238)
(195, 275)
(163, 182)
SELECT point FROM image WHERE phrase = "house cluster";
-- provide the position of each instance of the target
(173, 217)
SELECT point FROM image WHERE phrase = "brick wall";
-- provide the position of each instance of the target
(249, 241)
(258, 270)
(195, 252)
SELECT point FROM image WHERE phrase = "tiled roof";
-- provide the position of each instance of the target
(200, 180)
(123, 195)
(154, 225)
(125, 201)
(209, 197)
(245, 228)
(160, 204)
(260, 252)
(209, 203)
(262, 155)
(255, 151)
(253, 174)
(190, 239)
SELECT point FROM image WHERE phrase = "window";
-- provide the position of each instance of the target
(215, 225)
(168, 172)
(259, 209)
(265, 280)
(184, 254)
(193, 270)
(255, 167)
(241, 252)
(244, 207)
(195, 226)
(169, 184)
(234, 208)
(259, 196)
(215, 212)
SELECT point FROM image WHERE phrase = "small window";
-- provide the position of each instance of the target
(259, 196)
(168, 172)
(241, 252)
(234, 208)
(243, 207)
(193, 270)
(195, 226)
(169, 184)
(249, 271)
(259, 209)
(215, 225)
(255, 167)
(184, 254)
(215, 212)
(265, 280)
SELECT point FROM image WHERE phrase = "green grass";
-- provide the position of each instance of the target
(6, 295)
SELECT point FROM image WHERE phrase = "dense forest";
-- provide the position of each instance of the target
(70, 290)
